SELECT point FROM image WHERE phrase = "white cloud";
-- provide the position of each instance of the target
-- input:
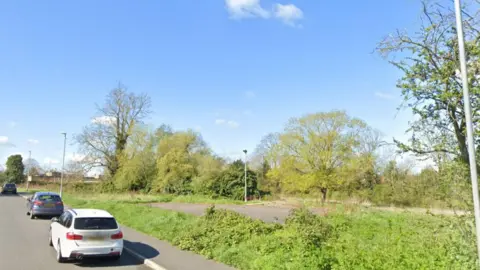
(384, 95)
(229, 123)
(104, 120)
(288, 14)
(250, 94)
(51, 161)
(3, 139)
(33, 141)
(220, 121)
(239, 9)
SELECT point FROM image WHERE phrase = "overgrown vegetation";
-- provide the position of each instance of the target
(358, 240)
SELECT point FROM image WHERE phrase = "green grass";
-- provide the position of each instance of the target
(148, 198)
(156, 222)
(131, 197)
(345, 239)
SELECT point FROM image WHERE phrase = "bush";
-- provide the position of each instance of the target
(81, 187)
(106, 186)
(230, 183)
(221, 228)
(252, 244)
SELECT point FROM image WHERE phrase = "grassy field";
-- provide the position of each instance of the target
(356, 239)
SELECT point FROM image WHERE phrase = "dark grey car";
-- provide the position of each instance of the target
(48, 204)
(9, 188)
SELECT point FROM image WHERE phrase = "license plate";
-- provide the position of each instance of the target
(49, 205)
(96, 238)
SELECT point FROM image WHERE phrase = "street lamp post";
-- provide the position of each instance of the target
(468, 120)
(245, 151)
(29, 167)
(63, 162)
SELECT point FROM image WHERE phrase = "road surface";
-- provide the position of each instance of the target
(24, 243)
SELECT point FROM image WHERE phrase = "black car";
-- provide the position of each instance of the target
(9, 188)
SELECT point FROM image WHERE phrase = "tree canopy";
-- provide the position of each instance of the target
(105, 139)
(318, 151)
(15, 169)
(431, 85)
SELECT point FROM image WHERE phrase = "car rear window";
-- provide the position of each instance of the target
(49, 198)
(9, 185)
(95, 224)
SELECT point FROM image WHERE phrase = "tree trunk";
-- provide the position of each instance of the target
(324, 194)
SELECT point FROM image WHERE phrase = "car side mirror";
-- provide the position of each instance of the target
(54, 219)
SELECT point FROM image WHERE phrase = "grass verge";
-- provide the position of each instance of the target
(133, 197)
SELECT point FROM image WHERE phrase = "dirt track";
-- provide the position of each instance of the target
(262, 212)
(278, 211)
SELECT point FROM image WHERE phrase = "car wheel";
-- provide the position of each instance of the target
(116, 258)
(60, 258)
(32, 216)
(50, 242)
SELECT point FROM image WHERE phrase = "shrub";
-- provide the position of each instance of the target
(221, 227)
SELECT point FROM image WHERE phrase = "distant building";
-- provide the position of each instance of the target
(53, 174)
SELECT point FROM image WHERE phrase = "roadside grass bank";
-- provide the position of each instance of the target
(344, 239)
(88, 191)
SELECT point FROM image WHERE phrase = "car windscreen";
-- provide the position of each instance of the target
(49, 198)
(95, 223)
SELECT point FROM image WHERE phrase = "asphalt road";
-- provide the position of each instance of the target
(24, 243)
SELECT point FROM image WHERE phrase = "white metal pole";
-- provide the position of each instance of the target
(468, 118)
(246, 198)
(29, 166)
(63, 162)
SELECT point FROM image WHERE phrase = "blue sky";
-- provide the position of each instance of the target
(234, 69)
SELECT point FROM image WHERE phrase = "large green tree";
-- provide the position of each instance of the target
(105, 139)
(138, 162)
(431, 85)
(15, 169)
(177, 162)
(320, 151)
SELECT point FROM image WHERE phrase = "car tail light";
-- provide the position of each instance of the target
(38, 203)
(72, 236)
(59, 203)
(118, 235)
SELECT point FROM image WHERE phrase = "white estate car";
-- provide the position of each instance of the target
(84, 233)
